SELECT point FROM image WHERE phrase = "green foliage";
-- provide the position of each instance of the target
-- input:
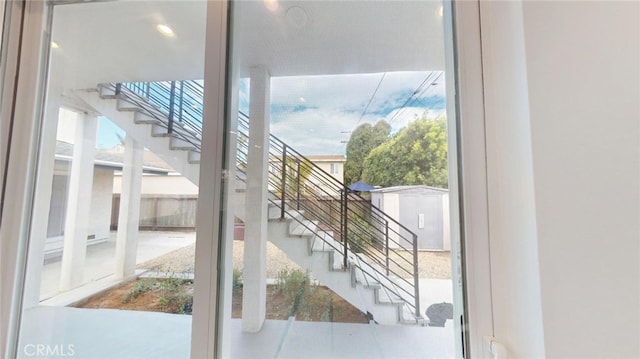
(141, 286)
(416, 155)
(173, 297)
(295, 168)
(237, 278)
(363, 139)
(304, 296)
(361, 233)
(290, 281)
(173, 294)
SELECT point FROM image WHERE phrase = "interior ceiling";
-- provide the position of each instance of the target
(117, 41)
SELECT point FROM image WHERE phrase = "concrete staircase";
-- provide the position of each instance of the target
(363, 284)
(147, 125)
(360, 283)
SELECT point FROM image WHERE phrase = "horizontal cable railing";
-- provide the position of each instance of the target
(359, 229)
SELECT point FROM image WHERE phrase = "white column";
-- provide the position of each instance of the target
(76, 227)
(41, 204)
(129, 215)
(255, 240)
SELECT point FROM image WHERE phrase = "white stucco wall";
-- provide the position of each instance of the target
(101, 202)
(583, 61)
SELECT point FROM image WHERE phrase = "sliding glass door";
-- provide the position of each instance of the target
(244, 179)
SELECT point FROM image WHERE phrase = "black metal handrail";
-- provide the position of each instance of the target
(361, 227)
(288, 160)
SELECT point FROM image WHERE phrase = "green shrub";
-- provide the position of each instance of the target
(141, 286)
(237, 278)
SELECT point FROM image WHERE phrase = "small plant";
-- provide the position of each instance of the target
(289, 282)
(141, 286)
(174, 294)
(237, 278)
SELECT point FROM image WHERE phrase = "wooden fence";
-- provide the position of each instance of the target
(162, 212)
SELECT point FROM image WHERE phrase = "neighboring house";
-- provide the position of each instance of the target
(106, 182)
(331, 164)
(326, 166)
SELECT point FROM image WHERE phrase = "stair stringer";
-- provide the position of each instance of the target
(178, 159)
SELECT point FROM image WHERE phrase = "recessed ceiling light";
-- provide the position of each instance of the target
(165, 30)
(54, 45)
(271, 5)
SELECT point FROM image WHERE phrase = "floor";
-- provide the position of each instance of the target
(108, 333)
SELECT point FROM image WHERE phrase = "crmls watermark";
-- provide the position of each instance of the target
(49, 350)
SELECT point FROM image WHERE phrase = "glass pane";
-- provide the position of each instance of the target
(341, 230)
(111, 259)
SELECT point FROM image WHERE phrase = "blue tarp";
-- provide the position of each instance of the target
(360, 187)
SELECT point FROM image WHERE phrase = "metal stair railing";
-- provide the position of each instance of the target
(361, 228)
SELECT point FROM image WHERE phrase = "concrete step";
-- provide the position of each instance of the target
(143, 117)
(181, 144)
(106, 92)
(126, 104)
(324, 242)
(303, 228)
(194, 157)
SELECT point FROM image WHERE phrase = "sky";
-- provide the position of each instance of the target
(315, 114)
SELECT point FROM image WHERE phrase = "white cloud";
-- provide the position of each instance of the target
(334, 104)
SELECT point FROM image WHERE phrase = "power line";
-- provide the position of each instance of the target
(370, 100)
(419, 91)
(425, 91)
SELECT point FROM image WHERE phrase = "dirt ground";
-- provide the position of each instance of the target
(314, 303)
(432, 265)
(319, 305)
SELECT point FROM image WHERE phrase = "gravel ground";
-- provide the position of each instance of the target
(433, 265)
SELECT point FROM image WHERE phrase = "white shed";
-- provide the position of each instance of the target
(422, 209)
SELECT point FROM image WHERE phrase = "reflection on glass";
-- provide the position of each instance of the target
(341, 233)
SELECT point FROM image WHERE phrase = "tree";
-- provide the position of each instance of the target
(415, 155)
(362, 140)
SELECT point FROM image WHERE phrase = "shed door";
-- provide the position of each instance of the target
(423, 214)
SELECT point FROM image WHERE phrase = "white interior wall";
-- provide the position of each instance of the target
(584, 88)
(515, 282)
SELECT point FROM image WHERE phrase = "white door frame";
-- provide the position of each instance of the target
(25, 52)
(472, 173)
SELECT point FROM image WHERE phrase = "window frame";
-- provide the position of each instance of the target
(25, 96)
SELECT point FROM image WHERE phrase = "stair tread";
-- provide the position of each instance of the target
(306, 228)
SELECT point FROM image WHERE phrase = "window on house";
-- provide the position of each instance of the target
(335, 168)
